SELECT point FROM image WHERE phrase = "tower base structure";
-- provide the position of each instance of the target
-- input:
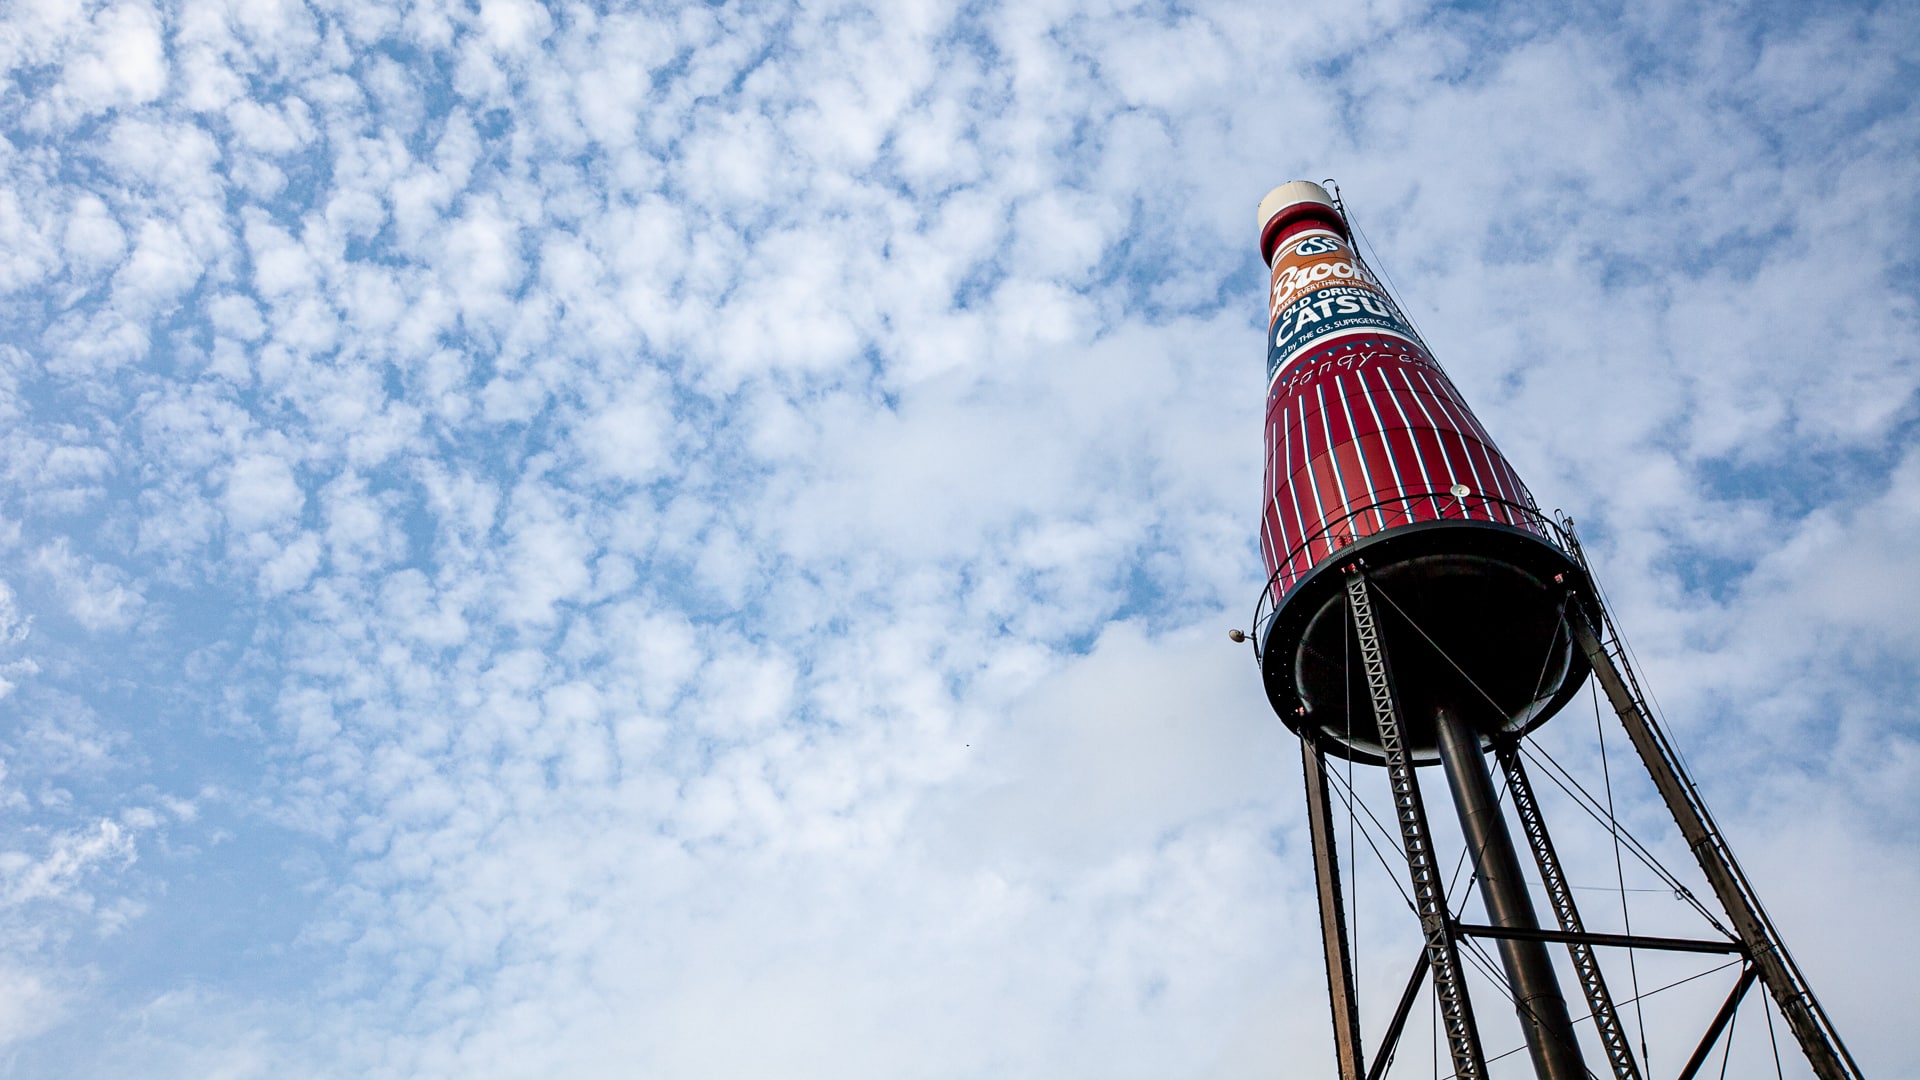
(1371, 652)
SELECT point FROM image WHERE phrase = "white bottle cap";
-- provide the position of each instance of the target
(1291, 193)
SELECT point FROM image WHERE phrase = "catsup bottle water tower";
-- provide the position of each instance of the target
(1421, 610)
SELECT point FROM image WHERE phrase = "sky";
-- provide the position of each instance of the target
(697, 540)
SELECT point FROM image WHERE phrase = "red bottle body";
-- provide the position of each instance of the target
(1364, 432)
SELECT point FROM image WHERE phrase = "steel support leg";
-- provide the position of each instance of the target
(1333, 914)
(1390, 1041)
(1430, 901)
(1720, 1021)
(1536, 992)
(1818, 1040)
(1592, 982)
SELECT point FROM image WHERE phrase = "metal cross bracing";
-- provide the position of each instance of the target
(1766, 960)
(1585, 964)
(1378, 678)
(1430, 901)
(1808, 1022)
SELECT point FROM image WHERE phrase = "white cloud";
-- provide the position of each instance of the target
(513, 25)
(98, 596)
(30, 247)
(13, 625)
(236, 316)
(1138, 738)
(28, 1005)
(161, 267)
(71, 857)
(125, 64)
(292, 566)
(261, 491)
(265, 130)
(93, 239)
(549, 552)
(630, 437)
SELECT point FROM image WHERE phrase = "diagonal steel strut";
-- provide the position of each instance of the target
(1599, 1002)
(1775, 967)
(1436, 923)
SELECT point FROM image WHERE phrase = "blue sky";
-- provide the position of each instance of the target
(696, 540)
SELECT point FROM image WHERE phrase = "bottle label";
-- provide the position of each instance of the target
(1321, 291)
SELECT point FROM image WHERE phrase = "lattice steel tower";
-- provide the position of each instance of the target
(1420, 610)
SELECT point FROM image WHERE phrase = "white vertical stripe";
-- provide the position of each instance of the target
(1386, 445)
(1419, 458)
(1453, 428)
(1493, 459)
(1505, 480)
(1360, 451)
(1293, 491)
(1267, 481)
(1464, 427)
(1313, 484)
(1406, 376)
(1333, 460)
(1266, 537)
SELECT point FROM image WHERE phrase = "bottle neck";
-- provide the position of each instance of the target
(1298, 218)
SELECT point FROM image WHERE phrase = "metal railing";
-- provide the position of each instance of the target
(1370, 519)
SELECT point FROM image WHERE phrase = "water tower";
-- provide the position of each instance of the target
(1420, 610)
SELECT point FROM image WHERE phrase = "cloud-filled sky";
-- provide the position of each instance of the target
(696, 540)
